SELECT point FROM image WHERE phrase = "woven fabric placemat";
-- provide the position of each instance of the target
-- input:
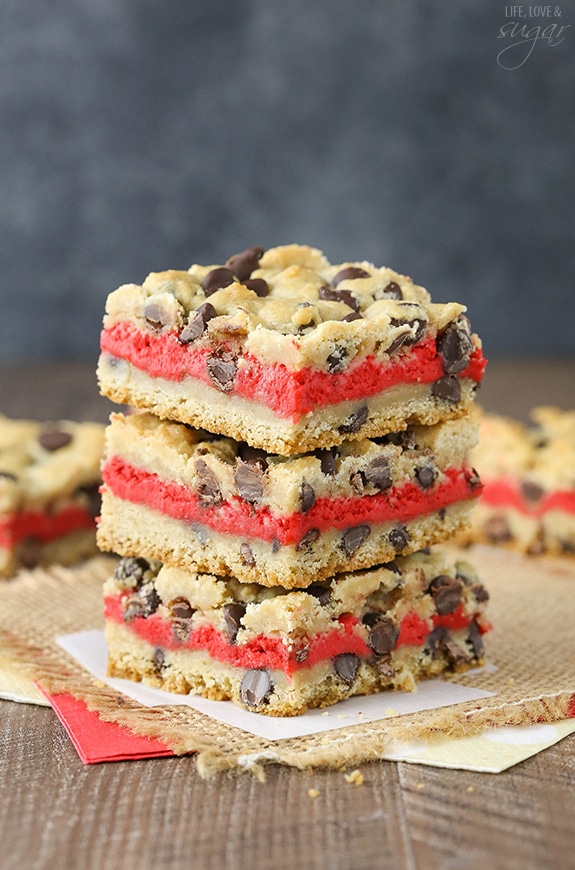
(532, 608)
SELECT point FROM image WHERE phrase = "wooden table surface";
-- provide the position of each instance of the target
(57, 813)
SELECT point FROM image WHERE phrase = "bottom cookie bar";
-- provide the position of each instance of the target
(282, 652)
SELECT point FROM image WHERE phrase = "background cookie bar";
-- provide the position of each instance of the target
(281, 652)
(49, 479)
(287, 352)
(528, 502)
(206, 502)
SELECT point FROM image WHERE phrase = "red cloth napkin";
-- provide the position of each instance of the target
(98, 741)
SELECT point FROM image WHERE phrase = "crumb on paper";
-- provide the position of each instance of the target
(420, 786)
(325, 713)
(390, 712)
(354, 778)
(341, 716)
(470, 788)
(359, 713)
(313, 793)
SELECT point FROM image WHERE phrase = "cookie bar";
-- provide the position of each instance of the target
(287, 352)
(205, 502)
(49, 479)
(281, 652)
(528, 502)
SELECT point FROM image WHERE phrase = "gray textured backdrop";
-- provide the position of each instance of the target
(138, 135)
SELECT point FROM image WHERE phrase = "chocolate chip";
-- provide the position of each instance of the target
(244, 263)
(247, 556)
(233, 614)
(426, 476)
(249, 479)
(383, 636)
(408, 338)
(180, 608)
(327, 459)
(446, 592)
(142, 604)
(181, 630)
(475, 640)
(306, 497)
(256, 687)
(92, 498)
(301, 654)
(254, 455)
(307, 541)
(209, 492)
(158, 659)
(378, 473)
(393, 566)
(336, 361)
(532, 491)
(497, 530)
(275, 545)
(384, 666)
(222, 367)
(30, 551)
(257, 286)
(447, 390)
(455, 346)
(346, 666)
(399, 341)
(356, 480)
(353, 315)
(393, 291)
(216, 279)
(353, 538)
(54, 439)
(455, 654)
(322, 593)
(399, 538)
(435, 641)
(156, 316)
(351, 273)
(130, 571)
(197, 323)
(372, 618)
(345, 296)
(472, 478)
(354, 422)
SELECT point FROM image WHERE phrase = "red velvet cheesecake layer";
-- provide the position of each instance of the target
(288, 393)
(508, 493)
(239, 517)
(45, 527)
(271, 652)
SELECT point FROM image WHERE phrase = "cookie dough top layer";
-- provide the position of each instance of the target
(42, 463)
(290, 305)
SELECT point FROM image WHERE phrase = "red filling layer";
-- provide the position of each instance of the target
(508, 494)
(288, 393)
(46, 527)
(238, 517)
(264, 651)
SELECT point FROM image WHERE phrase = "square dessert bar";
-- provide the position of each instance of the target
(205, 502)
(49, 480)
(281, 652)
(287, 352)
(528, 502)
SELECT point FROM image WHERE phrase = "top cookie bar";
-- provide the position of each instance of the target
(288, 352)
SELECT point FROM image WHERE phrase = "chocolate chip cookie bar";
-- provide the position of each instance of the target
(287, 352)
(282, 652)
(208, 503)
(49, 479)
(528, 502)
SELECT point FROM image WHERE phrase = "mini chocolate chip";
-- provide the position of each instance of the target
(472, 478)
(353, 538)
(345, 296)
(336, 361)
(197, 323)
(383, 636)
(447, 390)
(346, 666)
(247, 556)
(480, 593)
(354, 422)
(455, 346)
(306, 497)
(353, 315)
(350, 273)
(426, 476)
(322, 593)
(209, 492)
(327, 459)
(130, 571)
(475, 640)
(155, 315)
(308, 541)
(244, 263)
(180, 608)
(446, 592)
(222, 367)
(257, 286)
(249, 480)
(233, 614)
(399, 538)
(532, 491)
(54, 439)
(216, 279)
(393, 291)
(158, 659)
(256, 687)
(497, 530)
(378, 473)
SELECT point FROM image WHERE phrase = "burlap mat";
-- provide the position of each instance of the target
(532, 608)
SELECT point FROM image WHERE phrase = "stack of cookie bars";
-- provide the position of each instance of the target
(299, 441)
